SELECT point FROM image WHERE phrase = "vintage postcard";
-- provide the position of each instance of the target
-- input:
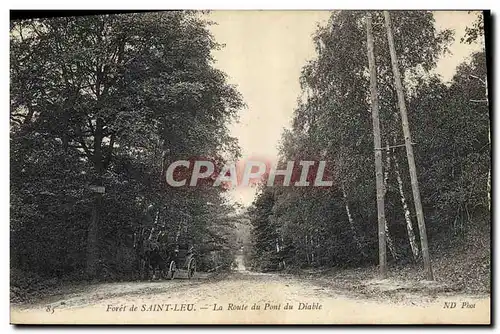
(250, 167)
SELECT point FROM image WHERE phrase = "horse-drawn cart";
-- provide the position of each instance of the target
(164, 253)
(183, 259)
(164, 258)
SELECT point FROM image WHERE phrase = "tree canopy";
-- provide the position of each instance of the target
(111, 100)
(337, 226)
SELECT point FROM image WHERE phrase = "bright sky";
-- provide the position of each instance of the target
(263, 55)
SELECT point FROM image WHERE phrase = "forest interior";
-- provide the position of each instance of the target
(102, 104)
(333, 231)
(106, 101)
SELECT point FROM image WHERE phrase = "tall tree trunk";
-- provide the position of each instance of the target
(92, 239)
(409, 224)
(313, 256)
(377, 148)
(351, 222)
(306, 244)
(93, 231)
(406, 210)
(409, 149)
(390, 243)
(282, 258)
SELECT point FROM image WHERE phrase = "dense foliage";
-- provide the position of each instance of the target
(109, 101)
(337, 226)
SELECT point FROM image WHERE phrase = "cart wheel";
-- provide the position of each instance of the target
(171, 270)
(191, 269)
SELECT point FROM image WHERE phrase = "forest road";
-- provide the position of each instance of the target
(242, 297)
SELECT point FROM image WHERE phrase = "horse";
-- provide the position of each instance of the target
(155, 260)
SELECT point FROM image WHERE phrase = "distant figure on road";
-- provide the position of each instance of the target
(240, 263)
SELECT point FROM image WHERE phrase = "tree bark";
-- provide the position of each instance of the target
(313, 255)
(377, 148)
(390, 243)
(409, 149)
(351, 222)
(92, 239)
(307, 250)
(409, 225)
(93, 232)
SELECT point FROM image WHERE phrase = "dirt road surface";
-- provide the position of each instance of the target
(233, 299)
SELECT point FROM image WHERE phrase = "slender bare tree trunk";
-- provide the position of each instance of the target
(390, 243)
(409, 225)
(94, 227)
(307, 250)
(377, 148)
(281, 263)
(409, 149)
(312, 249)
(351, 222)
(93, 239)
(406, 210)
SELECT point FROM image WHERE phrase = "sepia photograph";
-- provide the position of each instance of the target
(253, 167)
